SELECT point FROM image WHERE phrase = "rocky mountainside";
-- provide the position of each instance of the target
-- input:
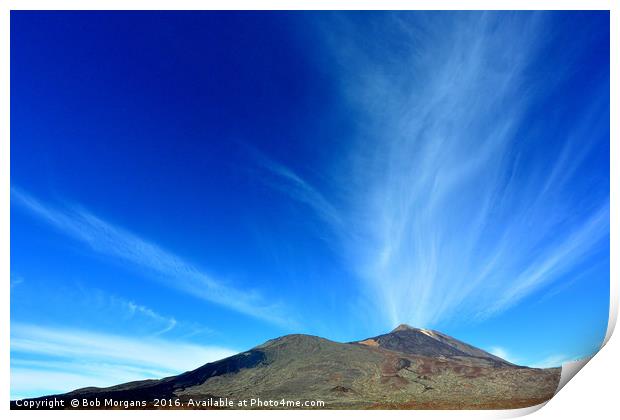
(406, 368)
(421, 342)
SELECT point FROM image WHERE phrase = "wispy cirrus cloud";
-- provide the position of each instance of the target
(296, 188)
(555, 360)
(461, 213)
(108, 308)
(549, 361)
(503, 353)
(133, 309)
(48, 360)
(453, 209)
(110, 311)
(159, 264)
(103, 305)
(15, 281)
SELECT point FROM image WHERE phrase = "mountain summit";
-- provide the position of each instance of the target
(403, 327)
(422, 342)
(405, 368)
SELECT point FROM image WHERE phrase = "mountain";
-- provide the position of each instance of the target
(405, 368)
(421, 342)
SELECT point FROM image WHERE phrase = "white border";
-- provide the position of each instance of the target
(602, 381)
(614, 156)
(310, 5)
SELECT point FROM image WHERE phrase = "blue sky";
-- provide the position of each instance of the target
(187, 185)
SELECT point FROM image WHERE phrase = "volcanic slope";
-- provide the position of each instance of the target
(405, 368)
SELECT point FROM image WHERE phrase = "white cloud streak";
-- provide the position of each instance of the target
(171, 270)
(15, 281)
(555, 360)
(113, 308)
(503, 353)
(451, 210)
(110, 306)
(133, 309)
(294, 186)
(52, 360)
(457, 221)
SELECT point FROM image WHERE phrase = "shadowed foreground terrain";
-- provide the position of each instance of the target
(407, 368)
